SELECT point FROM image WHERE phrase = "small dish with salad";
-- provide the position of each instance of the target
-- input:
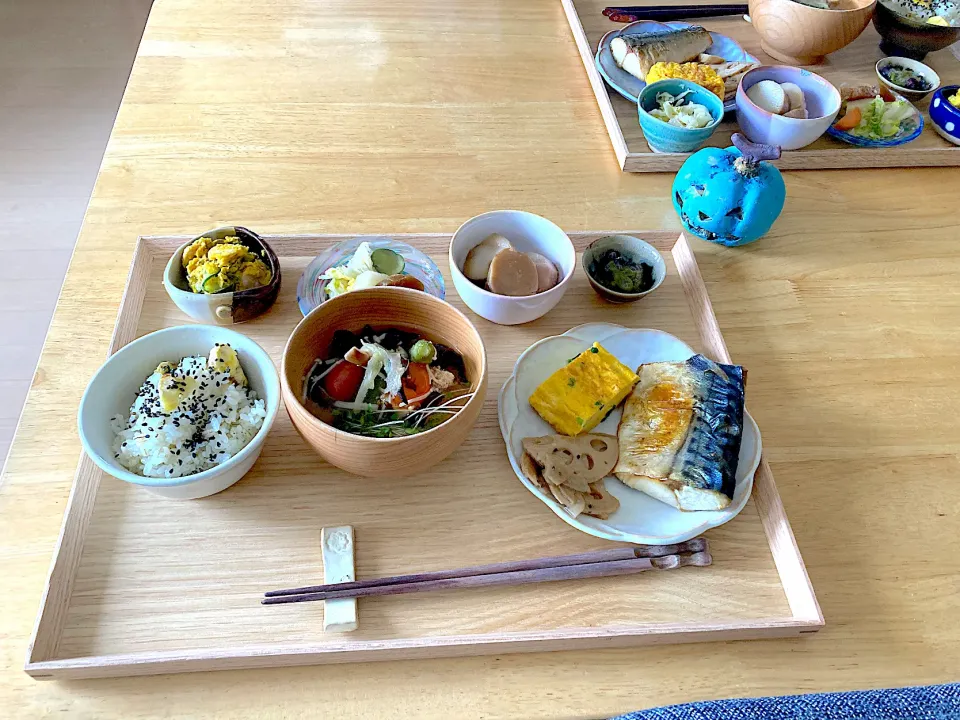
(362, 263)
(678, 115)
(875, 117)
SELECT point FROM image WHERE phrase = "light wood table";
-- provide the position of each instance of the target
(291, 116)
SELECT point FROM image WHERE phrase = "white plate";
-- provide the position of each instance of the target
(630, 86)
(640, 519)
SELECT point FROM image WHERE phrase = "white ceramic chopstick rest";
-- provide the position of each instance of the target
(338, 566)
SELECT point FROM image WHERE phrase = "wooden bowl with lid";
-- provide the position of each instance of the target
(382, 308)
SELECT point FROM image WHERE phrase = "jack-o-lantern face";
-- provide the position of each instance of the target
(724, 199)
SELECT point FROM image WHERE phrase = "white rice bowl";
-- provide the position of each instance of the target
(212, 423)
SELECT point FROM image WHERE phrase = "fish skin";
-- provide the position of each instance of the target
(708, 459)
(686, 452)
(670, 45)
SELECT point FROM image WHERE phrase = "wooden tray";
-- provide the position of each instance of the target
(140, 584)
(853, 64)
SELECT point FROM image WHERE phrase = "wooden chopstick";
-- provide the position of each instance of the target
(613, 554)
(522, 577)
(632, 13)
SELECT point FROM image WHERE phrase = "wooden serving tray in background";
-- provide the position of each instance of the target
(854, 64)
(142, 585)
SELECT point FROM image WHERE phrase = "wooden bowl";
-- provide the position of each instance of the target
(798, 34)
(400, 308)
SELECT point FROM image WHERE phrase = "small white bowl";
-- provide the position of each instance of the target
(113, 388)
(924, 71)
(528, 233)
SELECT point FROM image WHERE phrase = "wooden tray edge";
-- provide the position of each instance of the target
(783, 545)
(598, 85)
(58, 588)
(249, 657)
(69, 547)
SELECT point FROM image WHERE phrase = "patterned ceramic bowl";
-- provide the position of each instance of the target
(310, 287)
(760, 126)
(662, 136)
(944, 116)
(224, 308)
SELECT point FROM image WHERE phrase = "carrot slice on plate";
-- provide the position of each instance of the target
(850, 120)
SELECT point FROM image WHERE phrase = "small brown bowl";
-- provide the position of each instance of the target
(640, 251)
(399, 308)
(224, 308)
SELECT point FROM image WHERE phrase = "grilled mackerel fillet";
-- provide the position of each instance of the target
(636, 53)
(680, 433)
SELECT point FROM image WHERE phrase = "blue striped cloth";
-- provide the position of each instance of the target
(930, 702)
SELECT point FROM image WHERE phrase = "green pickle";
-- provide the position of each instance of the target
(423, 351)
(386, 261)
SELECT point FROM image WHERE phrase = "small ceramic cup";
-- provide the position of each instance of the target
(924, 71)
(225, 308)
(634, 248)
(944, 116)
(662, 137)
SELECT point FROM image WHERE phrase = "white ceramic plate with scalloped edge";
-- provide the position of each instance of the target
(640, 518)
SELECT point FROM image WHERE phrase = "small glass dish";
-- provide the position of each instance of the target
(311, 286)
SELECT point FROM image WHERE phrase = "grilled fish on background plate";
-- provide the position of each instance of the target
(638, 52)
(680, 433)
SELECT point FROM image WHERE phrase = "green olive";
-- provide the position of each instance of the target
(423, 351)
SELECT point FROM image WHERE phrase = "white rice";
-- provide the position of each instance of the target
(209, 426)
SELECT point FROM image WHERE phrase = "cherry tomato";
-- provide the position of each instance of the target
(343, 381)
(416, 382)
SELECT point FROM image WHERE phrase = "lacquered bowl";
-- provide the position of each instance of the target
(224, 308)
(666, 138)
(944, 116)
(760, 126)
(382, 308)
(906, 35)
(799, 34)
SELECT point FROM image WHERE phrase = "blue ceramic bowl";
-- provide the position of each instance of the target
(944, 116)
(666, 138)
(310, 287)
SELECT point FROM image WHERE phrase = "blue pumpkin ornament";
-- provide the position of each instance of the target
(729, 195)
